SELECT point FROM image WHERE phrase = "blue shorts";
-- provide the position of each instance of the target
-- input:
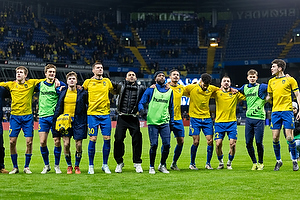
(178, 128)
(95, 120)
(45, 124)
(205, 124)
(285, 118)
(18, 122)
(222, 127)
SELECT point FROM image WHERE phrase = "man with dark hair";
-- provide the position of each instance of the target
(200, 116)
(98, 114)
(3, 94)
(279, 89)
(159, 118)
(178, 128)
(72, 103)
(226, 103)
(255, 117)
(129, 95)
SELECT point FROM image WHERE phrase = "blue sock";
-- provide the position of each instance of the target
(193, 154)
(177, 152)
(57, 152)
(230, 157)
(209, 154)
(91, 152)
(14, 159)
(292, 145)
(220, 157)
(45, 154)
(276, 146)
(68, 159)
(27, 160)
(106, 150)
(78, 156)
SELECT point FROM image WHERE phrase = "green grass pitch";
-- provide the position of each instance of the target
(239, 183)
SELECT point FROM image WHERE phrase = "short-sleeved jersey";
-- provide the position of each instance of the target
(70, 102)
(226, 103)
(281, 90)
(178, 92)
(21, 95)
(98, 98)
(199, 100)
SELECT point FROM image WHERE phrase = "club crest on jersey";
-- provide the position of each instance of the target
(25, 85)
(94, 83)
(104, 83)
(179, 90)
(283, 81)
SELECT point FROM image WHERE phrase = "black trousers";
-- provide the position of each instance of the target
(132, 123)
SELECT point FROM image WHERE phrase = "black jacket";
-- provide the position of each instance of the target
(121, 100)
(79, 124)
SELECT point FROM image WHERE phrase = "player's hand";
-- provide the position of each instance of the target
(234, 91)
(171, 126)
(143, 114)
(56, 82)
(287, 75)
(153, 86)
(167, 86)
(79, 87)
(62, 87)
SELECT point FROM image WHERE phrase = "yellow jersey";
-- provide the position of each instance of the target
(98, 98)
(21, 95)
(226, 103)
(70, 102)
(178, 92)
(281, 90)
(199, 100)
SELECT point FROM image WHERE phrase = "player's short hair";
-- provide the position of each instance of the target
(22, 68)
(252, 72)
(206, 78)
(72, 73)
(49, 66)
(173, 70)
(280, 63)
(96, 63)
(226, 76)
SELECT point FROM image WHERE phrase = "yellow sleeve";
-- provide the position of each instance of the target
(85, 84)
(294, 84)
(110, 86)
(241, 97)
(6, 84)
(34, 82)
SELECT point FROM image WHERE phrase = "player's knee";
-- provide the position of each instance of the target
(57, 143)
(12, 142)
(232, 145)
(210, 142)
(29, 142)
(43, 143)
(180, 142)
(289, 138)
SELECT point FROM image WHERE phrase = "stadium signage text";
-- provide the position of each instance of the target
(166, 16)
(270, 13)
